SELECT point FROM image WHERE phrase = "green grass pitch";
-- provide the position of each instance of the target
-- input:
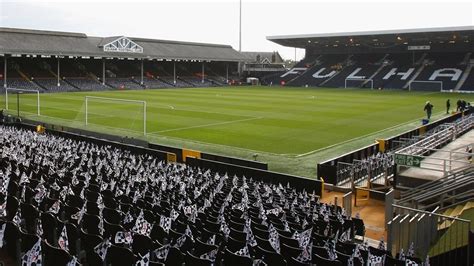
(290, 128)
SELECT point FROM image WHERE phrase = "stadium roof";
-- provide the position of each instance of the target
(55, 43)
(385, 38)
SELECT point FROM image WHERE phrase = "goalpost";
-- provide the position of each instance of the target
(23, 91)
(363, 82)
(116, 100)
(424, 83)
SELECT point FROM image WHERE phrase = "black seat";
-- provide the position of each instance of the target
(27, 241)
(11, 239)
(390, 261)
(88, 242)
(50, 226)
(295, 262)
(264, 243)
(141, 244)
(270, 257)
(190, 259)
(343, 258)
(55, 256)
(359, 227)
(120, 256)
(112, 216)
(111, 229)
(73, 238)
(175, 257)
(289, 252)
(12, 206)
(238, 235)
(318, 260)
(231, 258)
(201, 247)
(29, 213)
(90, 223)
(234, 244)
(321, 251)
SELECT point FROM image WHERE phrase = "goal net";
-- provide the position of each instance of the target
(115, 114)
(22, 101)
(358, 83)
(422, 85)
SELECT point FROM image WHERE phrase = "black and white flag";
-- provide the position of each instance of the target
(2, 233)
(63, 241)
(162, 252)
(212, 240)
(211, 255)
(33, 256)
(274, 238)
(374, 260)
(101, 248)
(123, 237)
(142, 226)
(243, 252)
(144, 260)
(73, 262)
(165, 223)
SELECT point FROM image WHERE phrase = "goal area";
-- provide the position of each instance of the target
(358, 83)
(22, 101)
(425, 85)
(115, 113)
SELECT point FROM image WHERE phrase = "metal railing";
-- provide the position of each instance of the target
(429, 234)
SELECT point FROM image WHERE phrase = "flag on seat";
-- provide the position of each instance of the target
(63, 239)
(243, 252)
(2, 233)
(162, 252)
(211, 255)
(144, 260)
(374, 260)
(274, 238)
(73, 262)
(17, 218)
(165, 223)
(123, 237)
(101, 248)
(142, 226)
(33, 256)
(305, 255)
(212, 240)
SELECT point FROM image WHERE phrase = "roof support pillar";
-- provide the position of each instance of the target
(5, 71)
(141, 82)
(174, 73)
(59, 73)
(227, 73)
(103, 71)
(202, 74)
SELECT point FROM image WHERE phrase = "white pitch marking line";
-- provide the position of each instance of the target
(207, 125)
(360, 137)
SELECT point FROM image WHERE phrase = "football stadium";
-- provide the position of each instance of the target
(123, 150)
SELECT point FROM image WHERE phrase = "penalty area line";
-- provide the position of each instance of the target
(206, 125)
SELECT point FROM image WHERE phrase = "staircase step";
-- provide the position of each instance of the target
(468, 206)
(448, 212)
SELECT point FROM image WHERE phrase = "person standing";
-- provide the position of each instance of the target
(428, 108)
(448, 105)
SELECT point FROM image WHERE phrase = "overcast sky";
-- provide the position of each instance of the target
(217, 21)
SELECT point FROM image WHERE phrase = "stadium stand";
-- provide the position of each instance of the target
(100, 63)
(420, 59)
(68, 199)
